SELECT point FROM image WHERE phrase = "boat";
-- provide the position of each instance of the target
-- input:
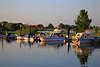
(11, 36)
(83, 39)
(51, 38)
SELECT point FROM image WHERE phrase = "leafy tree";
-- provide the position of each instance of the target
(95, 29)
(66, 26)
(83, 21)
(40, 25)
(61, 26)
(50, 26)
(12, 27)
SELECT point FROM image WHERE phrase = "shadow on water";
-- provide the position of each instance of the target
(51, 44)
(84, 52)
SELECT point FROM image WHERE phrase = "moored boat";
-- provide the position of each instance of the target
(52, 38)
(83, 39)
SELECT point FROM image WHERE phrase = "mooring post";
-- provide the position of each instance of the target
(68, 32)
(68, 38)
(2, 35)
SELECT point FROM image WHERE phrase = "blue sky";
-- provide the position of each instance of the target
(48, 11)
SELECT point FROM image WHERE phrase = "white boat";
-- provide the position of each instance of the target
(51, 38)
(83, 39)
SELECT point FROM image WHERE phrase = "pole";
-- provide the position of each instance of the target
(68, 32)
(2, 36)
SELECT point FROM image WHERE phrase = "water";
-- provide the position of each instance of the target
(26, 54)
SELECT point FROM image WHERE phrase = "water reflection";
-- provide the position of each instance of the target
(84, 52)
(68, 46)
(51, 44)
(2, 43)
(25, 43)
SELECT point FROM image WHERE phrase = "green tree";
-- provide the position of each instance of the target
(50, 26)
(61, 26)
(95, 29)
(83, 22)
(66, 26)
(40, 25)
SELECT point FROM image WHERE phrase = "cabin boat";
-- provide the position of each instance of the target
(83, 39)
(51, 38)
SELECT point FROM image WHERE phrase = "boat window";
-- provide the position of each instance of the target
(87, 36)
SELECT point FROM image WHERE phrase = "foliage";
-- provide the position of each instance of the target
(40, 25)
(12, 27)
(50, 26)
(82, 22)
(63, 26)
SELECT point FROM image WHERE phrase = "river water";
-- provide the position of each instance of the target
(27, 54)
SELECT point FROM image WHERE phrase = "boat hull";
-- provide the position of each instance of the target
(52, 39)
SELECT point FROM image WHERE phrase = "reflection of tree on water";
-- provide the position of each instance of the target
(82, 54)
(83, 57)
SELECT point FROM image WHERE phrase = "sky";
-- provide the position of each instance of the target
(48, 11)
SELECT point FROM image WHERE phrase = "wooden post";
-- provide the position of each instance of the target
(2, 36)
(68, 32)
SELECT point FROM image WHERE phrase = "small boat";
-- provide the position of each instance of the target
(83, 39)
(51, 38)
(11, 36)
(3, 36)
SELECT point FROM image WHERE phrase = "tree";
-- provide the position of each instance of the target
(40, 25)
(83, 22)
(61, 26)
(50, 26)
(11, 26)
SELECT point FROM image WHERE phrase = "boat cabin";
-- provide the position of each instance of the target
(84, 36)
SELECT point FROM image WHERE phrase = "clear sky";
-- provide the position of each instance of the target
(48, 11)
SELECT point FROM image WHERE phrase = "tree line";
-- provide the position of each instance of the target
(82, 23)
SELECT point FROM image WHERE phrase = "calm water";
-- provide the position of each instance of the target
(26, 54)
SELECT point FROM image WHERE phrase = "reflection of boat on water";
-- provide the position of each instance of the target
(54, 44)
(84, 39)
(26, 38)
(25, 43)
